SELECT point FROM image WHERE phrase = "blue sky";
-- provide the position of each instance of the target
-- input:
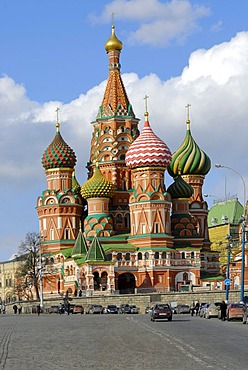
(52, 54)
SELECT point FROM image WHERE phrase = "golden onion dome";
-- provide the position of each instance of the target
(98, 186)
(113, 43)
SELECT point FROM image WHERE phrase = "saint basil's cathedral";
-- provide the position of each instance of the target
(124, 230)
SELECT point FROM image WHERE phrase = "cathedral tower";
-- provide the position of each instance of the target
(60, 206)
(150, 205)
(115, 128)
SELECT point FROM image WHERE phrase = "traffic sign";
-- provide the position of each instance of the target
(227, 281)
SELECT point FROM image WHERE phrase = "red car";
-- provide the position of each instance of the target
(235, 311)
(161, 312)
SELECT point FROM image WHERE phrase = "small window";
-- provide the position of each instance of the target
(156, 255)
(139, 256)
(119, 256)
(147, 256)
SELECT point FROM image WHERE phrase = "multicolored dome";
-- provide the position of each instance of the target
(113, 42)
(98, 186)
(148, 150)
(189, 159)
(58, 154)
(180, 189)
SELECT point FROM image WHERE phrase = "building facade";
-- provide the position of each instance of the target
(124, 230)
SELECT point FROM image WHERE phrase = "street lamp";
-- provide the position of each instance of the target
(40, 268)
(229, 247)
(237, 173)
(243, 224)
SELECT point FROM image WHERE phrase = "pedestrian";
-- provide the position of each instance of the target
(38, 310)
(192, 309)
(3, 308)
(223, 308)
(19, 307)
(197, 307)
(15, 309)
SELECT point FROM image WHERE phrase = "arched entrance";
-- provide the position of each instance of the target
(96, 281)
(126, 283)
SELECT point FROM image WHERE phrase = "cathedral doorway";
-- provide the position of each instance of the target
(126, 283)
(96, 281)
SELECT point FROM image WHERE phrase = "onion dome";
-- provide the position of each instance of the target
(180, 189)
(98, 186)
(189, 159)
(58, 154)
(113, 43)
(75, 184)
(148, 150)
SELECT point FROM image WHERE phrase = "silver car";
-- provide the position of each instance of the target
(212, 310)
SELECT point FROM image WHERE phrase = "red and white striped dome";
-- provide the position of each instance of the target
(148, 150)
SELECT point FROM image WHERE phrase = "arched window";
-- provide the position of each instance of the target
(127, 221)
(119, 256)
(192, 255)
(127, 257)
(183, 256)
(163, 255)
(139, 256)
(185, 276)
(147, 256)
(119, 218)
(156, 255)
(109, 257)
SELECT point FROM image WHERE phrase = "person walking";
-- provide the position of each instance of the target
(15, 309)
(192, 309)
(38, 310)
(223, 308)
(3, 308)
(197, 307)
(19, 307)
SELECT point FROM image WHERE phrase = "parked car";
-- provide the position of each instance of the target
(111, 308)
(235, 311)
(77, 308)
(95, 309)
(134, 309)
(124, 308)
(148, 310)
(212, 310)
(181, 308)
(203, 309)
(161, 312)
(53, 309)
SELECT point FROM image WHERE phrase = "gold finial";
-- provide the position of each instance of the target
(188, 119)
(57, 121)
(146, 110)
(113, 19)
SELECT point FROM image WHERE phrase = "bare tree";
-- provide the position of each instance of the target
(28, 275)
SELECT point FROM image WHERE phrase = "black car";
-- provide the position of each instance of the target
(161, 312)
(124, 308)
(111, 308)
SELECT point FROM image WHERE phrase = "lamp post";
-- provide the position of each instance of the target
(243, 224)
(229, 247)
(40, 268)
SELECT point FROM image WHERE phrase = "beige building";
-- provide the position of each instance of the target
(7, 280)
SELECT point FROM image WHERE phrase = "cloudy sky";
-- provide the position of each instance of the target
(177, 52)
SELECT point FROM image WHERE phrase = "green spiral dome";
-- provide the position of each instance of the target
(180, 189)
(189, 159)
(98, 186)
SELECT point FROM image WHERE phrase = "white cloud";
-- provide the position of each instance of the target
(217, 27)
(214, 83)
(158, 22)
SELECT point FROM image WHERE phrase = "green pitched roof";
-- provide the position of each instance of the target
(80, 246)
(226, 211)
(96, 252)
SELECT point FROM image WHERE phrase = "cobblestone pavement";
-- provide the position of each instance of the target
(118, 342)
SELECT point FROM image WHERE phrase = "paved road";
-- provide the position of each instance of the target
(120, 342)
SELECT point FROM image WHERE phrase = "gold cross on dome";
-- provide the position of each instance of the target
(113, 19)
(57, 122)
(187, 107)
(146, 100)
